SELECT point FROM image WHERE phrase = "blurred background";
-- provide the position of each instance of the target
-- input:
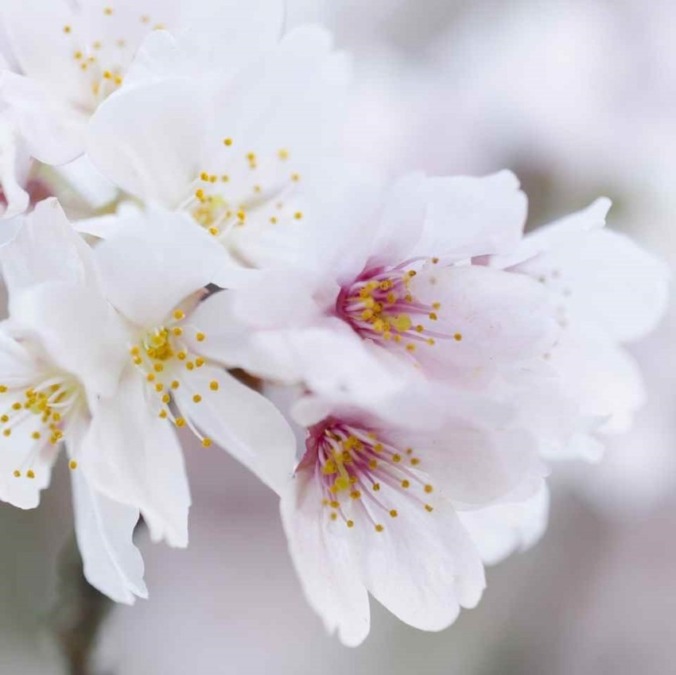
(579, 99)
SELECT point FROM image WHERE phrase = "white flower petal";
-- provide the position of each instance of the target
(423, 566)
(79, 330)
(241, 421)
(132, 456)
(153, 262)
(105, 529)
(45, 249)
(328, 575)
(469, 217)
(148, 140)
(504, 528)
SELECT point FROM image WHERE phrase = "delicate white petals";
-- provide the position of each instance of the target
(240, 420)
(78, 329)
(153, 262)
(506, 527)
(468, 217)
(13, 170)
(324, 562)
(52, 130)
(133, 456)
(105, 529)
(149, 140)
(602, 278)
(45, 249)
(422, 566)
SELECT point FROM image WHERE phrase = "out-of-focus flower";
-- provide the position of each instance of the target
(62, 349)
(68, 57)
(231, 150)
(374, 508)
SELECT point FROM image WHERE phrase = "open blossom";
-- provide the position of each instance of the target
(607, 292)
(62, 349)
(153, 270)
(393, 288)
(232, 150)
(376, 508)
(69, 57)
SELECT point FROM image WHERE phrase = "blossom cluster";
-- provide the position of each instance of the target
(184, 249)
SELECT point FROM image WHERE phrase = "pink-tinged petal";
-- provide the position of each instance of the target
(78, 329)
(507, 527)
(45, 249)
(468, 217)
(422, 565)
(132, 456)
(475, 465)
(328, 574)
(148, 140)
(482, 319)
(164, 259)
(240, 420)
(104, 530)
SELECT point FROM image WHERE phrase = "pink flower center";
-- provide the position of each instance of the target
(381, 306)
(362, 475)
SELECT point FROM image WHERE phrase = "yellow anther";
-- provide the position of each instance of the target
(273, 220)
(435, 260)
(436, 305)
(350, 523)
(429, 508)
(199, 361)
(214, 231)
(458, 337)
(376, 487)
(177, 331)
(295, 177)
(67, 29)
(355, 494)
(36, 435)
(190, 365)
(78, 55)
(158, 367)
(373, 464)
(72, 465)
(213, 385)
(181, 356)
(225, 178)
(204, 176)
(30, 474)
(394, 513)
(180, 422)
(166, 398)
(405, 483)
(396, 458)
(207, 443)
(107, 75)
(433, 316)
(334, 504)
(108, 11)
(334, 516)
(3, 388)
(429, 488)
(197, 398)
(298, 215)
(241, 216)
(410, 347)
(415, 461)
(283, 154)
(379, 528)
(227, 142)
(16, 406)
(163, 414)
(200, 337)
(150, 377)
(17, 473)
(257, 189)
(175, 384)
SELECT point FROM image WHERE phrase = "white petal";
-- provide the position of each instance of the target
(602, 278)
(79, 330)
(52, 130)
(45, 249)
(164, 258)
(502, 529)
(423, 567)
(470, 217)
(148, 140)
(241, 421)
(328, 575)
(13, 169)
(134, 457)
(105, 529)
